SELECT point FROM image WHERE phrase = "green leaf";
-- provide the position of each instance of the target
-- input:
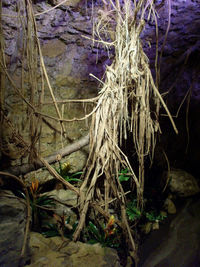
(132, 211)
(72, 177)
(45, 200)
(124, 170)
(93, 230)
(123, 178)
(92, 241)
(51, 233)
(75, 174)
(153, 216)
(51, 230)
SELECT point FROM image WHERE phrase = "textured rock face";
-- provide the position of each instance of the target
(12, 227)
(70, 58)
(53, 252)
(182, 183)
(180, 76)
(66, 199)
(177, 244)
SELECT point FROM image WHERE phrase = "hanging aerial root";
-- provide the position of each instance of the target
(123, 107)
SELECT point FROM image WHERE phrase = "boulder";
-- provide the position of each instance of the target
(169, 206)
(67, 197)
(56, 252)
(182, 183)
(13, 213)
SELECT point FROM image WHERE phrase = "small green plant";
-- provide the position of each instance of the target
(64, 169)
(123, 175)
(105, 235)
(133, 211)
(154, 216)
(60, 228)
(40, 205)
(50, 230)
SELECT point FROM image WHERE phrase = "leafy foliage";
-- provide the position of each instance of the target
(154, 216)
(106, 235)
(59, 228)
(50, 230)
(40, 205)
(124, 175)
(135, 213)
(64, 169)
(39, 201)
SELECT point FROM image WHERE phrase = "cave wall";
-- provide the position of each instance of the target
(179, 77)
(70, 58)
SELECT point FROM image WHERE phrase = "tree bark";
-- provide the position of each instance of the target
(25, 168)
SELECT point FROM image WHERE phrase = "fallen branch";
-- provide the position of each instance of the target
(26, 168)
(58, 176)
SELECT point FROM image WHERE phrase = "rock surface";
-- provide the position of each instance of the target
(169, 206)
(70, 58)
(175, 244)
(53, 252)
(182, 183)
(67, 197)
(13, 214)
(65, 201)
